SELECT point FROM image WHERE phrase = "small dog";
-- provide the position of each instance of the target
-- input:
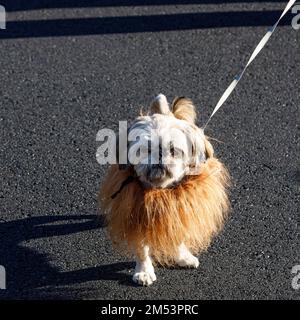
(169, 201)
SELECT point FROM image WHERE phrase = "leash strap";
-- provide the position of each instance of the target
(124, 184)
(257, 50)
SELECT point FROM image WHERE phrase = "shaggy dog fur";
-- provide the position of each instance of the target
(191, 212)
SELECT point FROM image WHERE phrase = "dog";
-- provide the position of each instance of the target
(168, 202)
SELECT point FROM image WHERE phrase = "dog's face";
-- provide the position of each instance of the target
(165, 146)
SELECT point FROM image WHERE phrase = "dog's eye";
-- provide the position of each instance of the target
(172, 150)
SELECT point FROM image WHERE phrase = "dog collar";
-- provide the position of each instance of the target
(124, 183)
(132, 178)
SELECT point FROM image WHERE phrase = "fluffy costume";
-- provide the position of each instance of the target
(191, 212)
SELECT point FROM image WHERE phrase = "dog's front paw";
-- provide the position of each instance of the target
(144, 278)
(188, 261)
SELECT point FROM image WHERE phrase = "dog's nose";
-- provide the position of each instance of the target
(156, 166)
(155, 172)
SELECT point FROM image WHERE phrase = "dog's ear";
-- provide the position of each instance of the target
(209, 150)
(160, 105)
(184, 109)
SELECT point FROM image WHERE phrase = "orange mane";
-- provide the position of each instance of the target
(192, 212)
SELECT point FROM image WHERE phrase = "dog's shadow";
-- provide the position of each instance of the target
(28, 270)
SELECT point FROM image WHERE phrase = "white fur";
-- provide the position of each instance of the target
(160, 127)
(185, 258)
(163, 103)
(144, 270)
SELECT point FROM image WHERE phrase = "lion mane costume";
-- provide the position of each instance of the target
(192, 212)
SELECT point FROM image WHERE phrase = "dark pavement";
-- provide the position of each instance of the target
(71, 68)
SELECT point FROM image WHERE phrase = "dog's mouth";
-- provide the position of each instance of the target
(157, 173)
(156, 176)
(155, 184)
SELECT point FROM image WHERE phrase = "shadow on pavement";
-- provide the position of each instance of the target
(28, 271)
(20, 5)
(134, 24)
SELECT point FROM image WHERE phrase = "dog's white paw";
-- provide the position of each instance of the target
(144, 278)
(188, 261)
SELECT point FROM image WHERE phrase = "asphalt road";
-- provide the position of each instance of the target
(70, 68)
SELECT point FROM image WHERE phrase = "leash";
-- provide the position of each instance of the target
(232, 86)
(128, 180)
(256, 51)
